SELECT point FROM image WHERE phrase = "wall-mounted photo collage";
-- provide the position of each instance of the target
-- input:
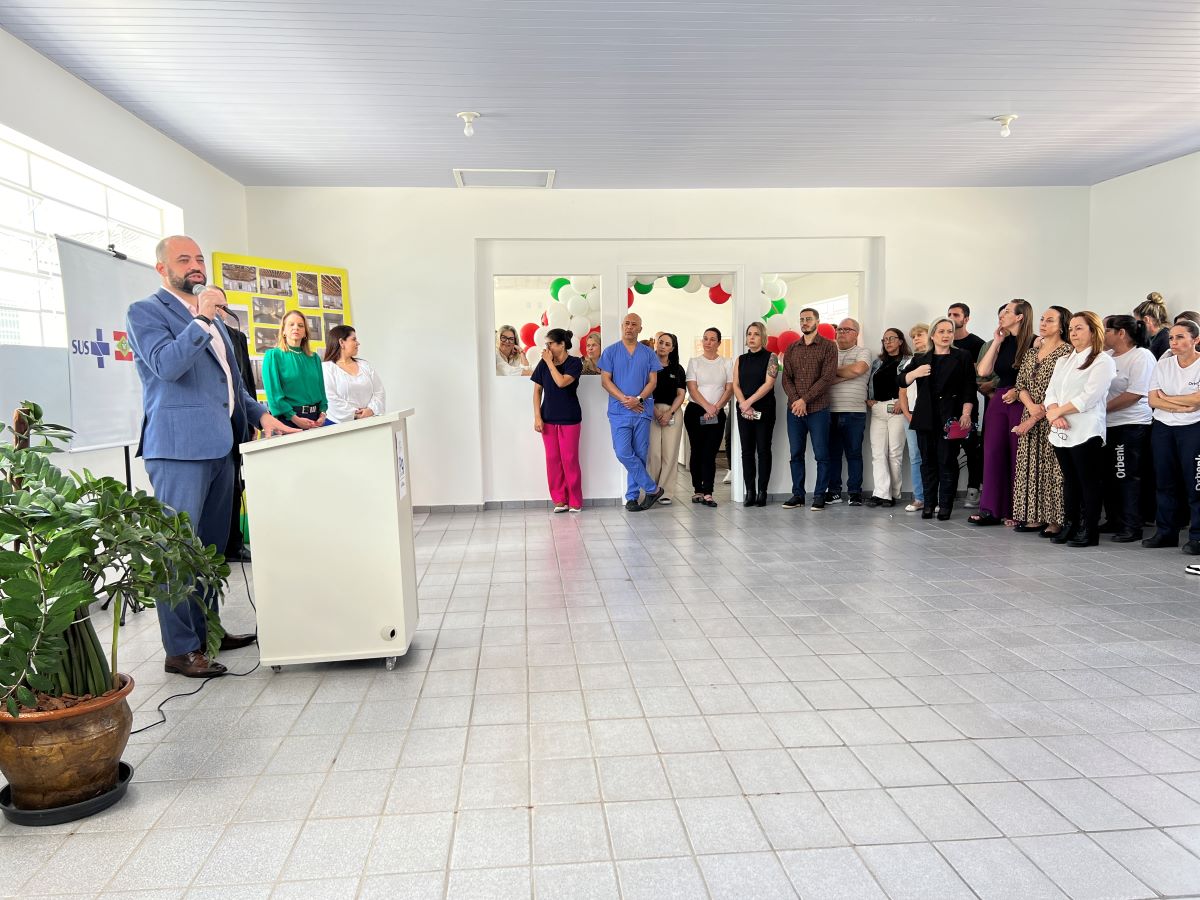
(262, 291)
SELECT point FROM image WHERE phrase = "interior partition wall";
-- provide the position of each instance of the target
(512, 453)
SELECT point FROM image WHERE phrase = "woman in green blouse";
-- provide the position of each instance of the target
(292, 376)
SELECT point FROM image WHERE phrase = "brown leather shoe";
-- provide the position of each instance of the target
(193, 665)
(237, 641)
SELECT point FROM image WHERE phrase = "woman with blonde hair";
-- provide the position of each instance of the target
(754, 374)
(1153, 313)
(1076, 401)
(293, 378)
(509, 358)
(592, 348)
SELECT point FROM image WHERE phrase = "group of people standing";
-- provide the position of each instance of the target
(1080, 418)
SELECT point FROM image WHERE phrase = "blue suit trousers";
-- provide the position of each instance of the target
(204, 490)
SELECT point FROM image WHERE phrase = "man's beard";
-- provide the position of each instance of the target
(181, 283)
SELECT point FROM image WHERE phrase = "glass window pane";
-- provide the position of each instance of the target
(55, 181)
(16, 209)
(14, 164)
(134, 244)
(52, 217)
(52, 295)
(17, 252)
(19, 326)
(133, 212)
(47, 255)
(20, 291)
(54, 330)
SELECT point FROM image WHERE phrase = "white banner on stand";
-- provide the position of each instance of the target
(106, 396)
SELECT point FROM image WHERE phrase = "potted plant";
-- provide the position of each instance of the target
(67, 541)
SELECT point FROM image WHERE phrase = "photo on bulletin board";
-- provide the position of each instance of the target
(315, 330)
(265, 339)
(276, 282)
(236, 277)
(242, 314)
(331, 292)
(331, 320)
(268, 311)
(306, 290)
(256, 365)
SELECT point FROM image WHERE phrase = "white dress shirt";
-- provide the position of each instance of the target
(347, 393)
(1086, 390)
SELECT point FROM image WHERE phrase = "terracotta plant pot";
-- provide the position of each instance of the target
(65, 756)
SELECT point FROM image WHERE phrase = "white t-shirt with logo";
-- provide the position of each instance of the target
(1134, 368)
(1173, 380)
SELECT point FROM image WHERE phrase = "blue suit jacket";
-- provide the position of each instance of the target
(184, 394)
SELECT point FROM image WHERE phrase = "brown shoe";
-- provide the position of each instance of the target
(237, 641)
(193, 665)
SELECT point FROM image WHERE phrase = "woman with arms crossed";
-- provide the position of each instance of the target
(558, 418)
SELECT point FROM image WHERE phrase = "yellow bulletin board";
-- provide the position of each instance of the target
(262, 291)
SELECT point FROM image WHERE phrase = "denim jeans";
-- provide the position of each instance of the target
(799, 428)
(846, 431)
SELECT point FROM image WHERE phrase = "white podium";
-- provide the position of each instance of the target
(331, 531)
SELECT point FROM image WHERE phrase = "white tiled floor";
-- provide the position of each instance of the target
(688, 702)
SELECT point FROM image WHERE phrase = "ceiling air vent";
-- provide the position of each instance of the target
(504, 178)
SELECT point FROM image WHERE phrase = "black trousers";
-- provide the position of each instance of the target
(705, 441)
(1177, 464)
(1083, 473)
(755, 435)
(939, 468)
(1123, 451)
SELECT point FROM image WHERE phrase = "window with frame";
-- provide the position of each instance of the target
(44, 193)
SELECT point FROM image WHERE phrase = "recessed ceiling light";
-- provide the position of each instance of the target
(469, 120)
(1004, 121)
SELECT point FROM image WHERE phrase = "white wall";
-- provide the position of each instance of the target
(412, 256)
(48, 104)
(1145, 236)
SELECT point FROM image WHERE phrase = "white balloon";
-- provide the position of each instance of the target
(710, 280)
(629, 280)
(645, 279)
(574, 351)
(583, 283)
(566, 292)
(539, 340)
(726, 284)
(593, 301)
(767, 279)
(578, 305)
(580, 325)
(776, 325)
(558, 316)
(693, 284)
(778, 289)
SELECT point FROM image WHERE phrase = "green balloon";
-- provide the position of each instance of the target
(779, 305)
(557, 285)
(773, 312)
(642, 288)
(678, 281)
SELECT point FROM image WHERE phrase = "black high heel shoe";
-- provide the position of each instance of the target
(1064, 533)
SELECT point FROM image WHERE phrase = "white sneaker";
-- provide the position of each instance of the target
(972, 501)
(561, 507)
(914, 506)
(665, 501)
(576, 509)
(1192, 568)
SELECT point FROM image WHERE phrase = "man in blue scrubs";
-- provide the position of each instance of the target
(628, 371)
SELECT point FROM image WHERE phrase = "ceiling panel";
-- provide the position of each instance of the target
(652, 93)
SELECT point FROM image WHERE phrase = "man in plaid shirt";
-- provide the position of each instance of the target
(809, 368)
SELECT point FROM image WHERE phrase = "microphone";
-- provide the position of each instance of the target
(198, 289)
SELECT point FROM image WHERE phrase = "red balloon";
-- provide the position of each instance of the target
(544, 321)
(773, 344)
(826, 330)
(528, 330)
(717, 294)
(629, 297)
(527, 348)
(595, 329)
(786, 339)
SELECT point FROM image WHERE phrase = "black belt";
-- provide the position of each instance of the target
(307, 410)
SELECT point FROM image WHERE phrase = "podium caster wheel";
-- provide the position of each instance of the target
(276, 668)
(389, 663)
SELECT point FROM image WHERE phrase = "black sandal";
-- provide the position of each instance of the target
(1029, 529)
(697, 498)
(983, 519)
(709, 501)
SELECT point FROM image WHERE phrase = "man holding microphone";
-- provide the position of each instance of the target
(196, 411)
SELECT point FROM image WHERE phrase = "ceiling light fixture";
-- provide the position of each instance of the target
(468, 119)
(1004, 121)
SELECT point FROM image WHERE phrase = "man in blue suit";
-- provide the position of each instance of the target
(197, 410)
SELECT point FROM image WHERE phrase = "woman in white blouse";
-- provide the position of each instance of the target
(509, 358)
(709, 386)
(1075, 408)
(1175, 438)
(352, 387)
